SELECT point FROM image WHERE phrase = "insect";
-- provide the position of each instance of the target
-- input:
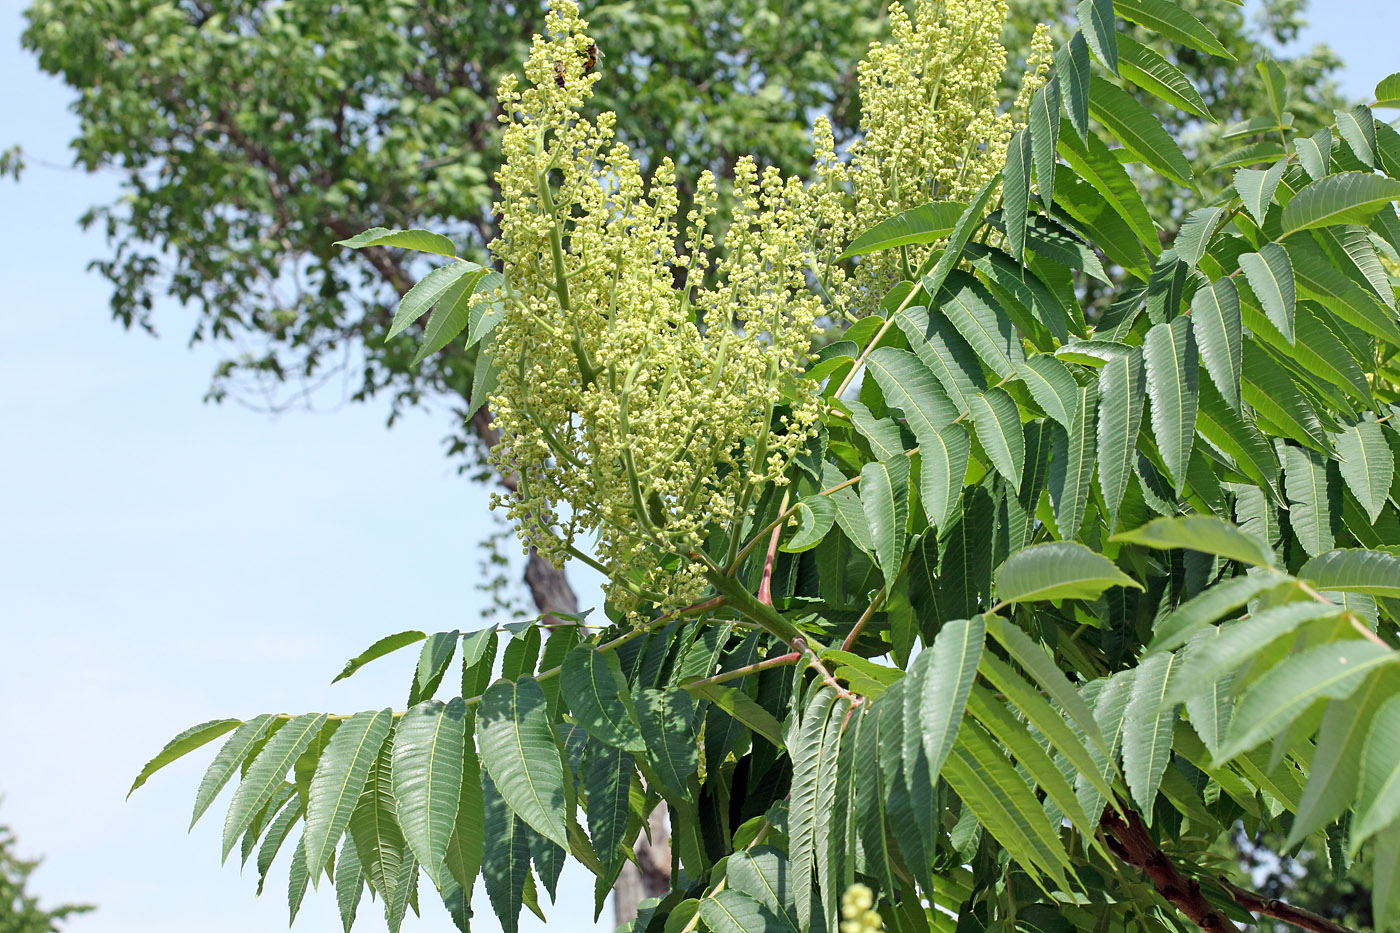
(559, 73)
(591, 57)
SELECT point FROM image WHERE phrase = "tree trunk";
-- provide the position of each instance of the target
(651, 876)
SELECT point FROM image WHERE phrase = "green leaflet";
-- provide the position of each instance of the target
(1015, 283)
(478, 660)
(506, 865)
(943, 458)
(1218, 651)
(1195, 235)
(1073, 66)
(831, 809)
(997, 420)
(1045, 672)
(989, 332)
(1378, 803)
(971, 218)
(607, 781)
(1148, 724)
(267, 772)
(432, 665)
(1201, 533)
(423, 241)
(1358, 128)
(1052, 387)
(1336, 764)
(466, 846)
(1110, 705)
(809, 752)
(1332, 670)
(244, 740)
(849, 514)
(1270, 275)
(1160, 78)
(1211, 711)
(927, 223)
(1355, 571)
(762, 874)
(184, 743)
(734, 912)
(1368, 466)
(1314, 502)
(668, 718)
(1048, 720)
(1096, 23)
(938, 682)
(1094, 162)
(375, 828)
(985, 781)
(884, 496)
(428, 291)
(1016, 192)
(944, 352)
(427, 774)
(1121, 392)
(1029, 755)
(1170, 21)
(1138, 130)
(339, 780)
(1072, 464)
(596, 692)
(815, 516)
(1172, 364)
(1057, 570)
(297, 878)
(1385, 891)
(349, 883)
(1045, 133)
(1315, 153)
(909, 385)
(520, 752)
(1256, 188)
(1217, 325)
(451, 315)
(1344, 198)
(385, 645)
(1239, 438)
(1388, 91)
(1207, 607)
(279, 828)
(1317, 279)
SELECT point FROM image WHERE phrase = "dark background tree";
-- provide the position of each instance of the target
(19, 909)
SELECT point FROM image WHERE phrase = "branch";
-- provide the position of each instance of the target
(1128, 838)
(1271, 907)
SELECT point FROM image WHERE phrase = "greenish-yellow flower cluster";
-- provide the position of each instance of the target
(634, 401)
(858, 914)
(931, 127)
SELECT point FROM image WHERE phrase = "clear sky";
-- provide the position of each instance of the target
(164, 562)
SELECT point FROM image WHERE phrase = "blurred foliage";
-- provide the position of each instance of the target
(19, 910)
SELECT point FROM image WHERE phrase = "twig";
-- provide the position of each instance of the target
(1272, 907)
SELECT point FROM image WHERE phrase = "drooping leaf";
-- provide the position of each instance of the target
(1052, 387)
(518, 748)
(1073, 67)
(1368, 465)
(809, 755)
(267, 772)
(1207, 607)
(339, 780)
(734, 912)
(427, 292)
(939, 681)
(451, 315)
(815, 516)
(433, 661)
(908, 384)
(1310, 512)
(1045, 134)
(607, 781)
(349, 883)
(1093, 161)
(997, 420)
(1058, 570)
(1196, 232)
(1096, 23)
(973, 312)
(375, 828)
(1358, 127)
(427, 773)
(1218, 327)
(884, 495)
(1072, 463)
(1270, 275)
(667, 718)
(967, 222)
(1317, 279)
(1388, 91)
(1378, 800)
(1016, 192)
(1160, 78)
(506, 865)
(1045, 672)
(1147, 730)
(1121, 393)
(1172, 366)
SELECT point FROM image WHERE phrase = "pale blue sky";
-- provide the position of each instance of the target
(164, 562)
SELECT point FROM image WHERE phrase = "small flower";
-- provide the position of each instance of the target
(858, 913)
